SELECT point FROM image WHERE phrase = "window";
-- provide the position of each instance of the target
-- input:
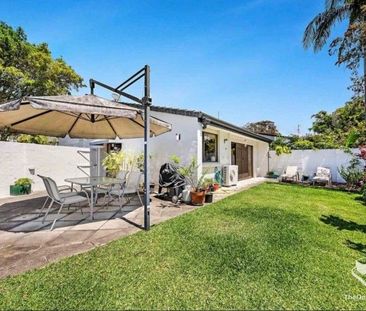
(209, 147)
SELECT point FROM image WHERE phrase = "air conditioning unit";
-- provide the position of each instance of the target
(230, 175)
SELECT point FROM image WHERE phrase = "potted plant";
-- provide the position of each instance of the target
(208, 186)
(139, 161)
(112, 163)
(216, 186)
(197, 191)
(21, 186)
(361, 265)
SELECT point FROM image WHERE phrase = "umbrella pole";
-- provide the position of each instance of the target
(147, 103)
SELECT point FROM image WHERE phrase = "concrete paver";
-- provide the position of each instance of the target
(27, 243)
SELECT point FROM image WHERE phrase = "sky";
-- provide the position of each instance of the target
(240, 60)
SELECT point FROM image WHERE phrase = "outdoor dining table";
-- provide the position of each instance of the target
(92, 182)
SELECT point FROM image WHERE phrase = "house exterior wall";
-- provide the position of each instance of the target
(164, 146)
(225, 138)
(17, 160)
(190, 145)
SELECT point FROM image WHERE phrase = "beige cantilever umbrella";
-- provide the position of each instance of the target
(87, 116)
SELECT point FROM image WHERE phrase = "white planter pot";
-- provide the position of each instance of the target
(361, 267)
(186, 195)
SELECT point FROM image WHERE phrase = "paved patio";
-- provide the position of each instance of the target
(27, 243)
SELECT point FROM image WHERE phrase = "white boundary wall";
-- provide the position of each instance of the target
(17, 160)
(309, 160)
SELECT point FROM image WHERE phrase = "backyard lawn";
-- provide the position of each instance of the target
(273, 246)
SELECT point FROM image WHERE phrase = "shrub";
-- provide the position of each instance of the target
(23, 182)
(363, 193)
(113, 162)
(33, 139)
(352, 174)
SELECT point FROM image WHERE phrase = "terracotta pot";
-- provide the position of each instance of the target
(198, 198)
(216, 187)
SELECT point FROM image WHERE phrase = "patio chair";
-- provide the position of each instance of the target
(291, 174)
(106, 189)
(129, 188)
(322, 175)
(62, 199)
(60, 189)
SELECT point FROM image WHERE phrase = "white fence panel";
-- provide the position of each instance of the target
(309, 160)
(19, 160)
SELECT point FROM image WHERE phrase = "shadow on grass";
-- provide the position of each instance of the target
(361, 200)
(333, 188)
(342, 224)
(360, 247)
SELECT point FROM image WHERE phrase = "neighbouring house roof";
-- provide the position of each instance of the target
(207, 119)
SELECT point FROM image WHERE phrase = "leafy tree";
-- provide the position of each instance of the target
(29, 69)
(262, 127)
(346, 126)
(280, 145)
(303, 144)
(349, 48)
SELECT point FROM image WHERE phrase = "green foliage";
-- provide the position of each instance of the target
(137, 160)
(207, 182)
(23, 182)
(33, 139)
(29, 69)
(262, 127)
(303, 144)
(242, 253)
(363, 193)
(189, 171)
(346, 126)
(353, 174)
(349, 46)
(113, 163)
(280, 145)
(175, 159)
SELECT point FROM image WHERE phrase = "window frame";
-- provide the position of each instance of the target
(216, 147)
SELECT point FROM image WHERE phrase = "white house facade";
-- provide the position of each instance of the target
(211, 141)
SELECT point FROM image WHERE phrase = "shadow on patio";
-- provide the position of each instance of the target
(24, 215)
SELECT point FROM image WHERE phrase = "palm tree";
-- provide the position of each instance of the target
(336, 11)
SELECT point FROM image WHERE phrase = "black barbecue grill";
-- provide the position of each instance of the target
(172, 181)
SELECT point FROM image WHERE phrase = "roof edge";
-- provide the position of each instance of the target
(205, 118)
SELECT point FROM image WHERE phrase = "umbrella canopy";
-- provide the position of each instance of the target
(87, 116)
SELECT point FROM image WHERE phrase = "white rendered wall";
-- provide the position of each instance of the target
(165, 145)
(309, 160)
(260, 151)
(57, 162)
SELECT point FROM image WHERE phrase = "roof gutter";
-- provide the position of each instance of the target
(206, 119)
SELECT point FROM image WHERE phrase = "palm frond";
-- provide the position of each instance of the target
(319, 29)
(332, 4)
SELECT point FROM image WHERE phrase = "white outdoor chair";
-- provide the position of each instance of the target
(62, 199)
(131, 187)
(60, 189)
(322, 175)
(291, 174)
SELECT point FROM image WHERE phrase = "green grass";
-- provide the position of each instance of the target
(274, 246)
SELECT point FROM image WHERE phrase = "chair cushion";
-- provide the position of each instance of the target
(323, 172)
(74, 199)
